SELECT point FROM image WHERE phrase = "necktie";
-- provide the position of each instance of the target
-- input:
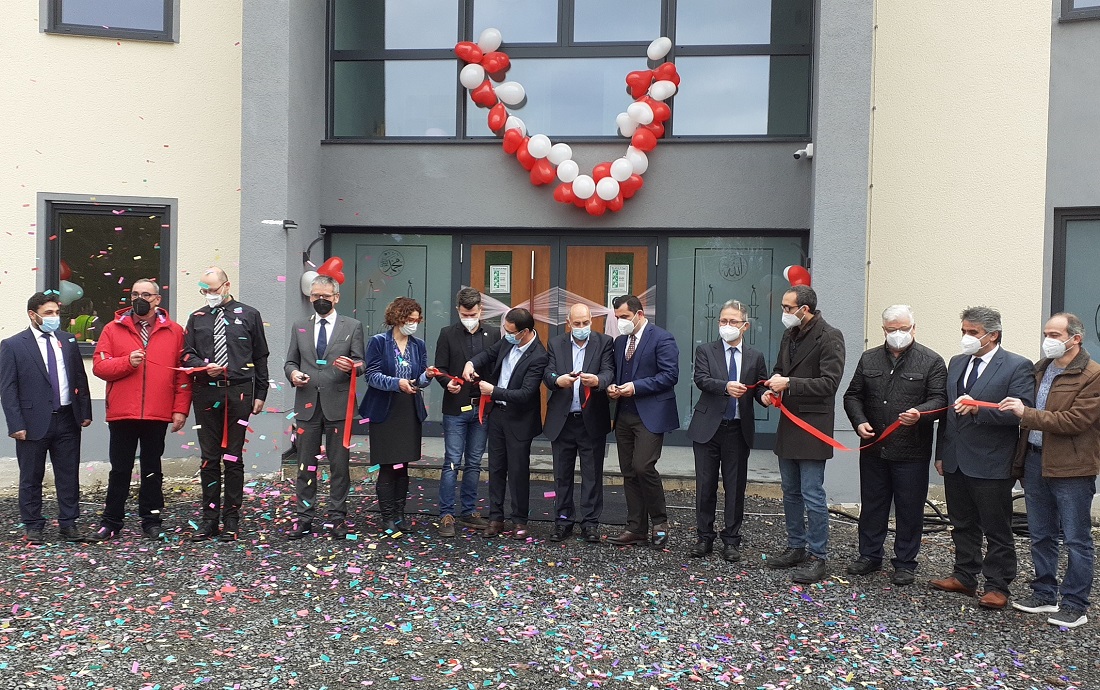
(221, 353)
(977, 364)
(731, 406)
(144, 334)
(630, 345)
(322, 340)
(55, 382)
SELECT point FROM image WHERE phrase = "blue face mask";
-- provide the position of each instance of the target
(512, 338)
(50, 324)
(582, 333)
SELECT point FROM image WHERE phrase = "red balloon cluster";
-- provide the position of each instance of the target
(797, 275)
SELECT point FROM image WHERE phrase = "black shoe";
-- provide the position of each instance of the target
(153, 532)
(561, 532)
(208, 529)
(301, 529)
(337, 529)
(659, 538)
(389, 526)
(406, 525)
(104, 533)
(73, 534)
(702, 548)
(903, 577)
(788, 559)
(813, 570)
(232, 529)
(864, 566)
(34, 537)
(591, 534)
(730, 553)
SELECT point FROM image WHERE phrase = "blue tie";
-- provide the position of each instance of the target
(322, 340)
(970, 380)
(55, 382)
(731, 406)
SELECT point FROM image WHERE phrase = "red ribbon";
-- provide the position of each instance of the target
(481, 405)
(349, 415)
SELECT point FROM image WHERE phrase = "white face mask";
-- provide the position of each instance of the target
(626, 326)
(1053, 349)
(409, 328)
(214, 300)
(970, 345)
(470, 324)
(790, 320)
(729, 333)
(899, 340)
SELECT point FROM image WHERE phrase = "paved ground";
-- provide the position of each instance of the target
(468, 613)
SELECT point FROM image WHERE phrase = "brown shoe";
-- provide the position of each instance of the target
(628, 539)
(447, 526)
(494, 529)
(993, 600)
(520, 532)
(952, 584)
(473, 521)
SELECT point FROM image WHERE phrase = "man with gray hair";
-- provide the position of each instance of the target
(974, 453)
(894, 382)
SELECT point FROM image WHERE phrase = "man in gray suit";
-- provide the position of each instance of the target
(974, 453)
(723, 428)
(325, 351)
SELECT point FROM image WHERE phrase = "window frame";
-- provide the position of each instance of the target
(1062, 217)
(52, 205)
(50, 21)
(565, 47)
(1073, 14)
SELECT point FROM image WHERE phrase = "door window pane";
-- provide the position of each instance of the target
(395, 24)
(1082, 291)
(121, 14)
(519, 21)
(733, 22)
(616, 20)
(402, 98)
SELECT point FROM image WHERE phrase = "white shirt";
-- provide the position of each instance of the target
(578, 365)
(62, 373)
(510, 362)
(737, 360)
(985, 364)
(330, 321)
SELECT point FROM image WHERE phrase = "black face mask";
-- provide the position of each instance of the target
(140, 306)
(322, 306)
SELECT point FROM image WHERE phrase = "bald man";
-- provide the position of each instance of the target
(578, 419)
(225, 341)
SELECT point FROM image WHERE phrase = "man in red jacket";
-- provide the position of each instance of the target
(137, 355)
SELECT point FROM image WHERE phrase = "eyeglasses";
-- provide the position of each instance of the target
(903, 329)
(211, 290)
(143, 295)
(730, 322)
(317, 297)
(789, 310)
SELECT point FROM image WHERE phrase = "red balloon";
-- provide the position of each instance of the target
(639, 82)
(579, 202)
(468, 51)
(512, 139)
(601, 171)
(616, 204)
(661, 111)
(797, 275)
(524, 156)
(667, 72)
(595, 206)
(496, 63)
(643, 140)
(498, 115)
(656, 127)
(563, 193)
(630, 186)
(333, 268)
(542, 172)
(484, 95)
(66, 272)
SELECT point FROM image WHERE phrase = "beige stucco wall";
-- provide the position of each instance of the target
(96, 116)
(959, 166)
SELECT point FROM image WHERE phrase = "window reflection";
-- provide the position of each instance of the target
(728, 95)
(566, 97)
(616, 20)
(118, 14)
(733, 22)
(410, 98)
(395, 24)
(519, 21)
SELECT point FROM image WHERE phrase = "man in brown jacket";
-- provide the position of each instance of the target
(1058, 459)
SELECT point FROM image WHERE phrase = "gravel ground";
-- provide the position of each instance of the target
(468, 613)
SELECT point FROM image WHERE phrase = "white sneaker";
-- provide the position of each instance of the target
(1068, 618)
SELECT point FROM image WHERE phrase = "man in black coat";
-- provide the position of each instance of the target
(578, 418)
(723, 428)
(895, 381)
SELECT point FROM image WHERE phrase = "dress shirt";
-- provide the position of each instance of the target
(245, 340)
(330, 320)
(1035, 437)
(510, 362)
(62, 372)
(985, 363)
(578, 364)
(736, 349)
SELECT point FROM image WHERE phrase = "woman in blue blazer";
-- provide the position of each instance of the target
(396, 371)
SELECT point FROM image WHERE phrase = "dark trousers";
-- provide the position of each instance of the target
(980, 507)
(728, 454)
(509, 472)
(903, 483)
(310, 434)
(126, 435)
(62, 442)
(211, 407)
(639, 449)
(574, 439)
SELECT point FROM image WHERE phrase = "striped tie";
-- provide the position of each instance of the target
(145, 334)
(221, 353)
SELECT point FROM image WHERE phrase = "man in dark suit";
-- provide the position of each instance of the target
(723, 428)
(515, 416)
(807, 375)
(647, 366)
(44, 392)
(974, 452)
(578, 419)
(464, 434)
(324, 352)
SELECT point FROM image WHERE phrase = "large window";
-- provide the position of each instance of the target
(94, 254)
(746, 65)
(147, 20)
(1073, 284)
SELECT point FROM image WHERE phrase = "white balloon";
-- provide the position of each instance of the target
(584, 187)
(539, 146)
(568, 170)
(660, 90)
(559, 153)
(512, 93)
(471, 76)
(659, 48)
(637, 159)
(607, 189)
(489, 40)
(638, 111)
(514, 122)
(621, 169)
(307, 282)
(626, 126)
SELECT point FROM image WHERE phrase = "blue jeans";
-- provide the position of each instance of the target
(1053, 503)
(464, 439)
(804, 504)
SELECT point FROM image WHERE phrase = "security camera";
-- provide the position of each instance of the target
(807, 152)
